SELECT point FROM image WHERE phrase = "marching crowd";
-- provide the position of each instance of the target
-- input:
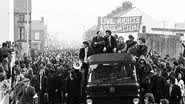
(51, 78)
(39, 79)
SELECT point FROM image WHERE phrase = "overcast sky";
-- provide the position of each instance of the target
(70, 18)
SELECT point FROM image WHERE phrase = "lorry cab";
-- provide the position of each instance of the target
(111, 79)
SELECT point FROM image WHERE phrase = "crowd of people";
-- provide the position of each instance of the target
(38, 79)
(50, 77)
(161, 79)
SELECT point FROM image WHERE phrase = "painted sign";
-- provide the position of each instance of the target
(120, 24)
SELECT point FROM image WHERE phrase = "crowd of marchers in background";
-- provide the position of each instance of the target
(161, 79)
(38, 79)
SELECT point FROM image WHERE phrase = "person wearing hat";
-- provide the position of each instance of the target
(110, 42)
(98, 43)
(27, 93)
(144, 69)
(141, 48)
(158, 83)
(130, 43)
(85, 52)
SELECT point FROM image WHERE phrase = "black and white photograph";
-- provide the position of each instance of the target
(92, 52)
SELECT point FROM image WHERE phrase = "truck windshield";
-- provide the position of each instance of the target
(111, 73)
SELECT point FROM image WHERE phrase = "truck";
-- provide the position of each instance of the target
(110, 78)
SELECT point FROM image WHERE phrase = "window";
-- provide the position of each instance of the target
(37, 36)
(108, 73)
(20, 45)
(21, 18)
(180, 34)
(21, 33)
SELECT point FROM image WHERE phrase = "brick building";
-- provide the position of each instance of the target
(38, 34)
(21, 7)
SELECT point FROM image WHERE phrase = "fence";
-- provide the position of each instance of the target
(163, 44)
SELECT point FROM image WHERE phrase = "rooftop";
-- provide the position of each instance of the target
(168, 29)
(37, 25)
(20, 6)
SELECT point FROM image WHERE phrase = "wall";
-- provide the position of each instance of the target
(164, 44)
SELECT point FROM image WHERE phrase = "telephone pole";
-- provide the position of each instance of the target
(164, 25)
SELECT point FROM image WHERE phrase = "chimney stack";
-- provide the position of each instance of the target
(42, 19)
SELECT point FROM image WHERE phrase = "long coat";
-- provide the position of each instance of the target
(82, 53)
(113, 43)
(158, 84)
(98, 48)
(175, 96)
(26, 95)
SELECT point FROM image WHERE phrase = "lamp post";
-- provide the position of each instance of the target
(27, 27)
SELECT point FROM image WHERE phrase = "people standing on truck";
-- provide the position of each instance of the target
(130, 44)
(73, 89)
(85, 52)
(141, 48)
(110, 42)
(121, 47)
(98, 43)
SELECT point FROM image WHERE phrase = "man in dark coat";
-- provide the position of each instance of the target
(85, 52)
(40, 83)
(158, 84)
(98, 43)
(73, 89)
(110, 42)
(141, 48)
(130, 43)
(27, 93)
(173, 92)
(52, 86)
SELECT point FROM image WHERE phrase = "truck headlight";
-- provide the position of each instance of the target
(136, 100)
(89, 101)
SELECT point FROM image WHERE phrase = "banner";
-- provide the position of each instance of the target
(120, 24)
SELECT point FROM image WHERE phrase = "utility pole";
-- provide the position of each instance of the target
(27, 25)
(164, 25)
